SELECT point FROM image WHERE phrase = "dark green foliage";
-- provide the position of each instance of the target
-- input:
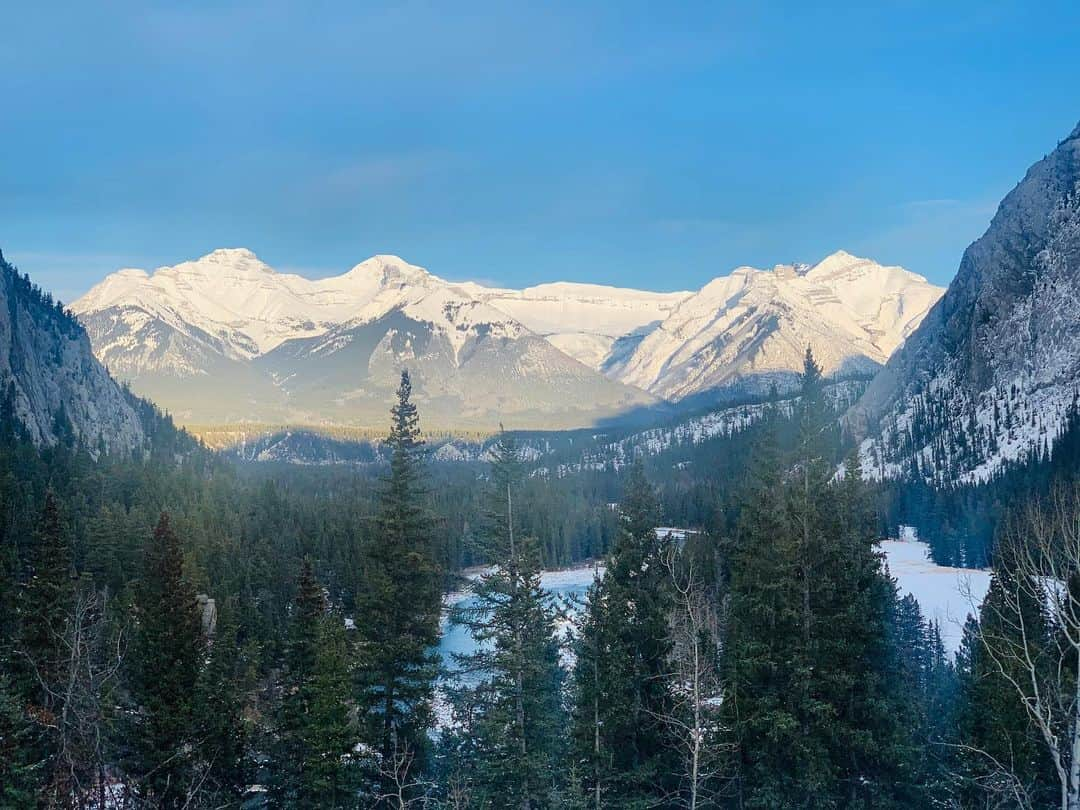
(401, 600)
(218, 721)
(621, 694)
(508, 705)
(813, 713)
(1002, 751)
(313, 754)
(44, 606)
(39, 654)
(168, 645)
(19, 774)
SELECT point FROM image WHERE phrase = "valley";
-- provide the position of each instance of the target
(607, 481)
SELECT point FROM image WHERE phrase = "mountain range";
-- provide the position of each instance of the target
(226, 338)
(974, 379)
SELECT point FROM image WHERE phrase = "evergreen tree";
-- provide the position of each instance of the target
(219, 725)
(313, 755)
(19, 774)
(812, 707)
(401, 601)
(40, 649)
(46, 602)
(513, 714)
(168, 645)
(621, 693)
(1001, 750)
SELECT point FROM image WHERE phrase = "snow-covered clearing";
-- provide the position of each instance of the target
(945, 595)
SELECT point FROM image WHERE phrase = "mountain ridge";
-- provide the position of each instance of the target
(269, 346)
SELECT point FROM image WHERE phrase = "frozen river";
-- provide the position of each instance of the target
(568, 586)
(946, 595)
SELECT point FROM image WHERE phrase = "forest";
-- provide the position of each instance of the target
(178, 631)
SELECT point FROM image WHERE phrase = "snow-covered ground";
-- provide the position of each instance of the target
(946, 595)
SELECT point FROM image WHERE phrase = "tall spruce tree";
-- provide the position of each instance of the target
(400, 603)
(40, 651)
(46, 602)
(313, 756)
(168, 646)
(513, 713)
(811, 706)
(19, 771)
(621, 692)
(218, 715)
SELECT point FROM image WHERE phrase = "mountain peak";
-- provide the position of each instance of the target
(388, 268)
(840, 259)
(229, 255)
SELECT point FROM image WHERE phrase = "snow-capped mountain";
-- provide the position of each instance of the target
(992, 370)
(746, 331)
(225, 338)
(57, 388)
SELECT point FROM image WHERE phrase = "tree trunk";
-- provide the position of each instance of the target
(596, 731)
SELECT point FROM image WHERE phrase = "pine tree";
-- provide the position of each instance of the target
(621, 692)
(218, 718)
(1001, 750)
(313, 754)
(45, 605)
(40, 648)
(514, 712)
(168, 646)
(812, 707)
(19, 774)
(401, 600)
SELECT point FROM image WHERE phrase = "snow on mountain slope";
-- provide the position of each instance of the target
(992, 371)
(748, 330)
(249, 308)
(582, 320)
(226, 338)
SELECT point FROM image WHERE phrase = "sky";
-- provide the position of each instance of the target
(654, 145)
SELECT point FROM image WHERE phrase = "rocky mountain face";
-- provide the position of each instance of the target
(225, 338)
(992, 370)
(50, 380)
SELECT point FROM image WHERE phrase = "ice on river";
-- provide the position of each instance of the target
(945, 595)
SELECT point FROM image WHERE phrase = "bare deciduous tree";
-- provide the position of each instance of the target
(402, 788)
(1041, 548)
(696, 685)
(80, 690)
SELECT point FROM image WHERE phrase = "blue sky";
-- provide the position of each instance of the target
(647, 144)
